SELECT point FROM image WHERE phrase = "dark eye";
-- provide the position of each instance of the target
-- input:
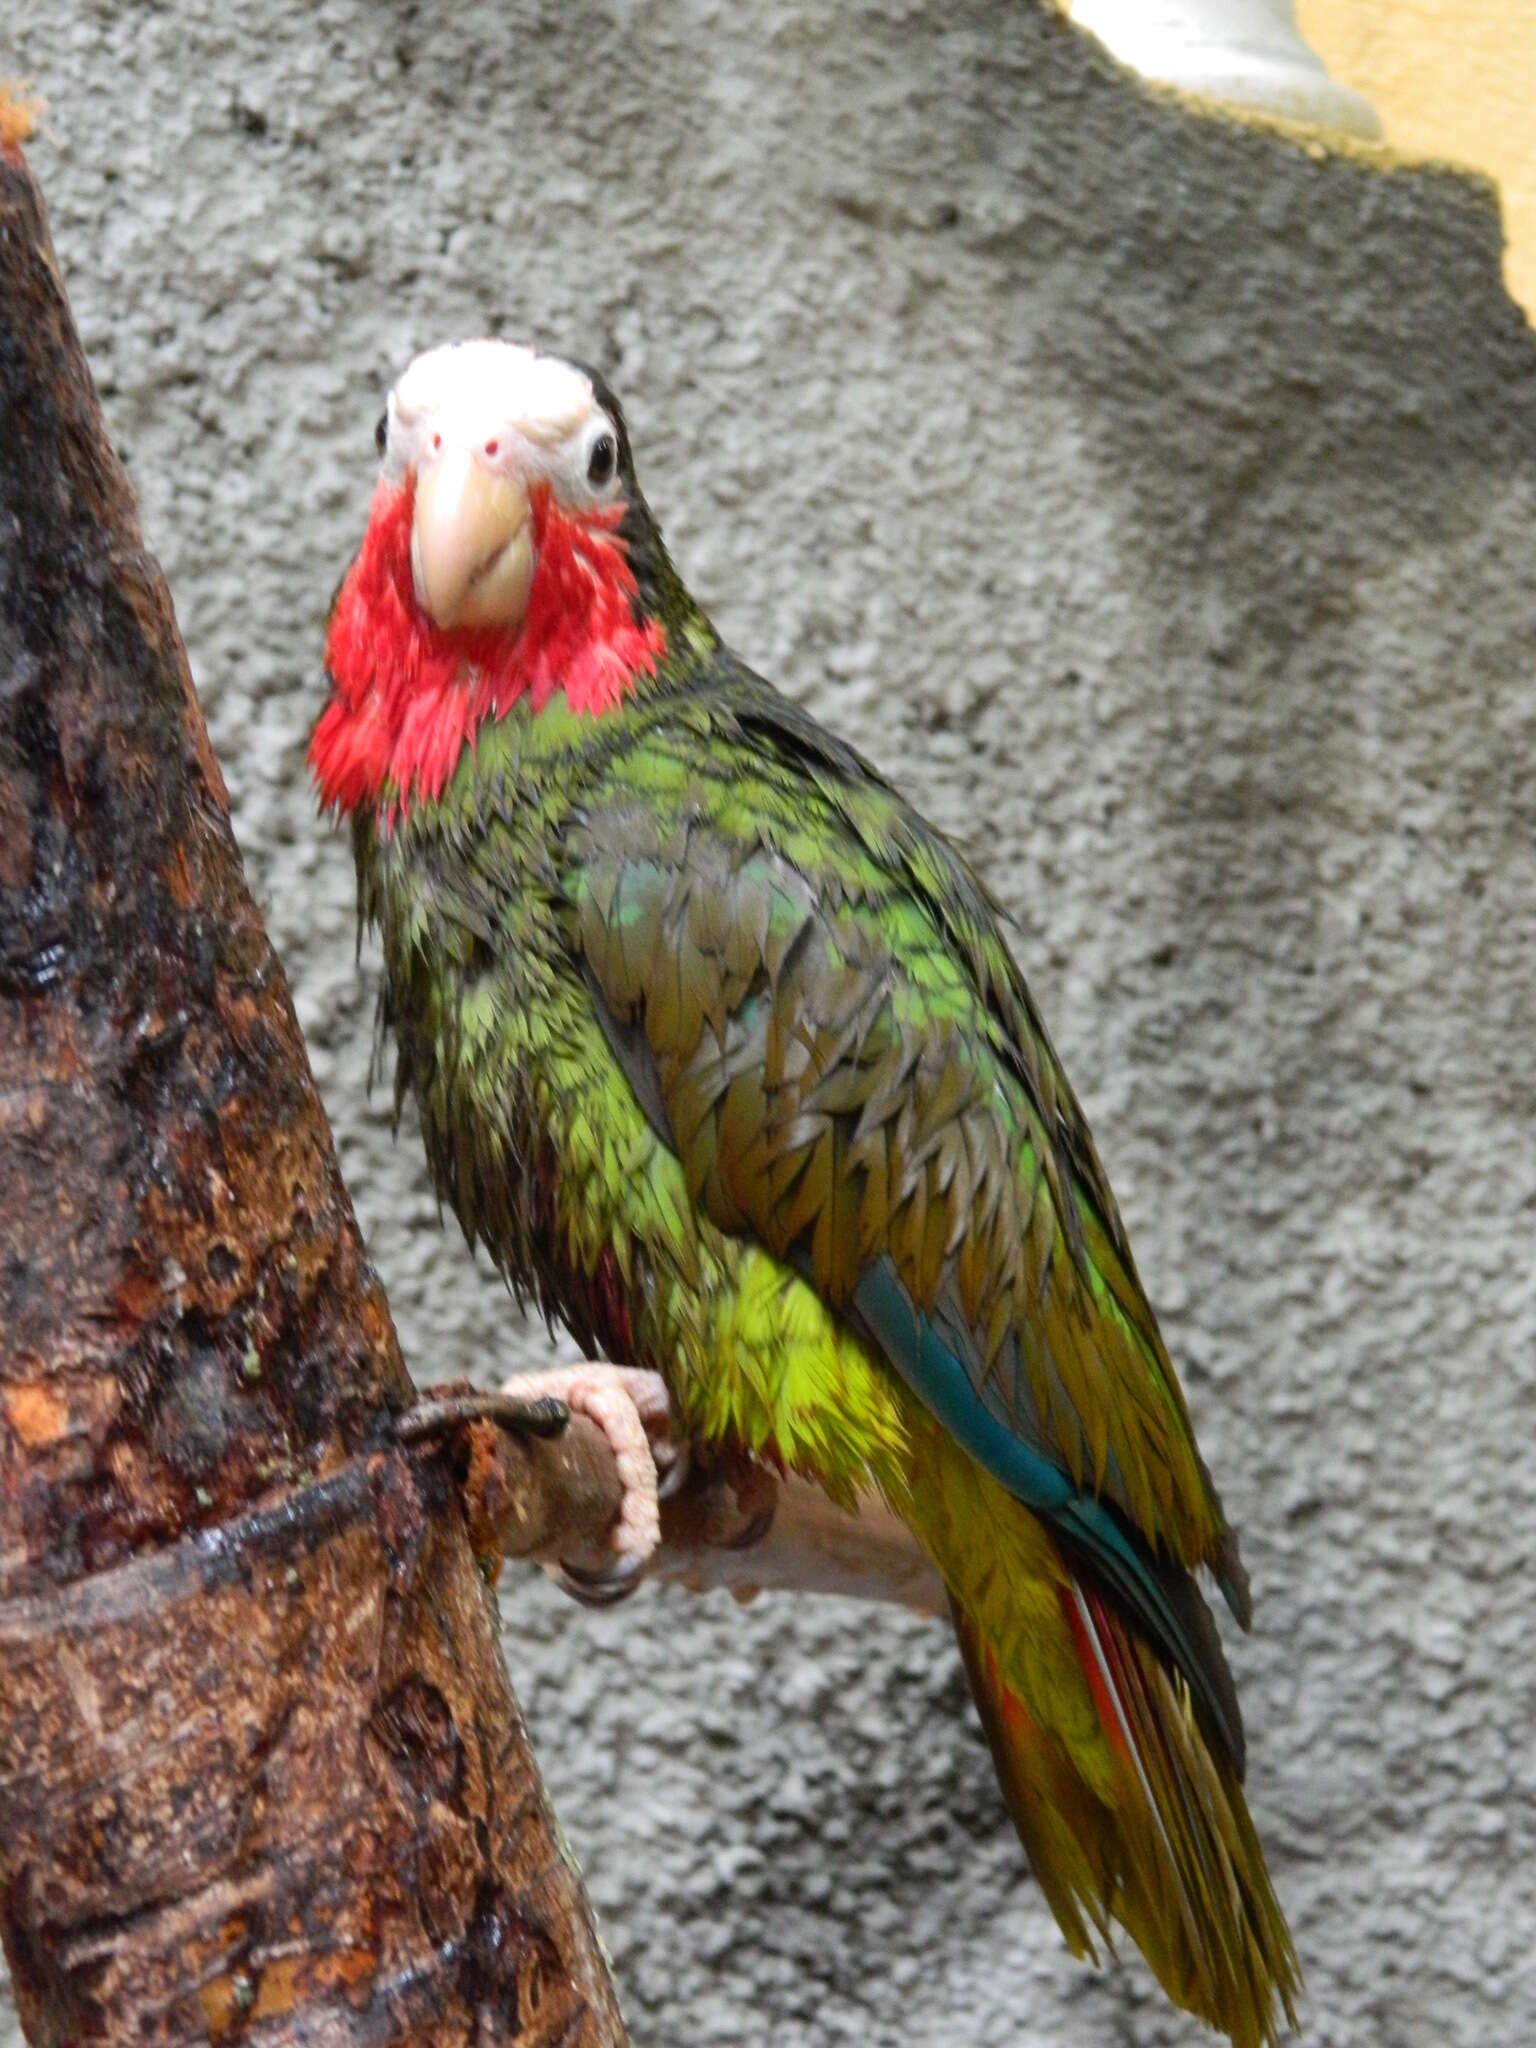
(603, 461)
(381, 434)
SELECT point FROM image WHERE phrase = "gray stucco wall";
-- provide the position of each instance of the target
(1154, 498)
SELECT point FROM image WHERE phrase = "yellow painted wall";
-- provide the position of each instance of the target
(1449, 78)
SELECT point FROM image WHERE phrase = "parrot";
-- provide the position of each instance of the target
(721, 1054)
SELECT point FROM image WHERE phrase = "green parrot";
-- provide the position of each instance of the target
(721, 1054)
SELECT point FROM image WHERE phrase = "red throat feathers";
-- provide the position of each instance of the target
(407, 697)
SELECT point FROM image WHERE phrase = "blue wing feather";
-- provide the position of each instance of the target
(1161, 1596)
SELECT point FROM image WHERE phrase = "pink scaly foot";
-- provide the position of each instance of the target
(630, 1406)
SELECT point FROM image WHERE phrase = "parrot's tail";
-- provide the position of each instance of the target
(1173, 1855)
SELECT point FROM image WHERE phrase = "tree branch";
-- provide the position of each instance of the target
(261, 1770)
(733, 1523)
(810, 1546)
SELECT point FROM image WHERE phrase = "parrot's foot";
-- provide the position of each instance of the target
(630, 1407)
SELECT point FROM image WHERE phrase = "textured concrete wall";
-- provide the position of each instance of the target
(1155, 499)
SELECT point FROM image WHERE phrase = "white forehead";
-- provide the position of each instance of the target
(472, 389)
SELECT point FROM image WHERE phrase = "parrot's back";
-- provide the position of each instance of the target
(720, 1052)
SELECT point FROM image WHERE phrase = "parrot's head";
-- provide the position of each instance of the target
(508, 554)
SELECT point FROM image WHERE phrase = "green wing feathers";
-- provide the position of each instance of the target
(813, 996)
(849, 1067)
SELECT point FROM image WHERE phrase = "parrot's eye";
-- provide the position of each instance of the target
(603, 461)
(381, 434)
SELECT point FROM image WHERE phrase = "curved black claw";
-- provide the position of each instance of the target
(434, 1414)
(755, 1530)
(671, 1482)
(545, 1415)
(604, 1585)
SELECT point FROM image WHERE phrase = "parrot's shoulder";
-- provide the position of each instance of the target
(860, 817)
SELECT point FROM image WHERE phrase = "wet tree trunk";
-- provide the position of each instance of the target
(261, 1771)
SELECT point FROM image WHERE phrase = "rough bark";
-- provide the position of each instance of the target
(261, 1771)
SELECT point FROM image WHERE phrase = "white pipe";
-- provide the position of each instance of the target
(1247, 53)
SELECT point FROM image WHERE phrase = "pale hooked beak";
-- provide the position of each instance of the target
(471, 543)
